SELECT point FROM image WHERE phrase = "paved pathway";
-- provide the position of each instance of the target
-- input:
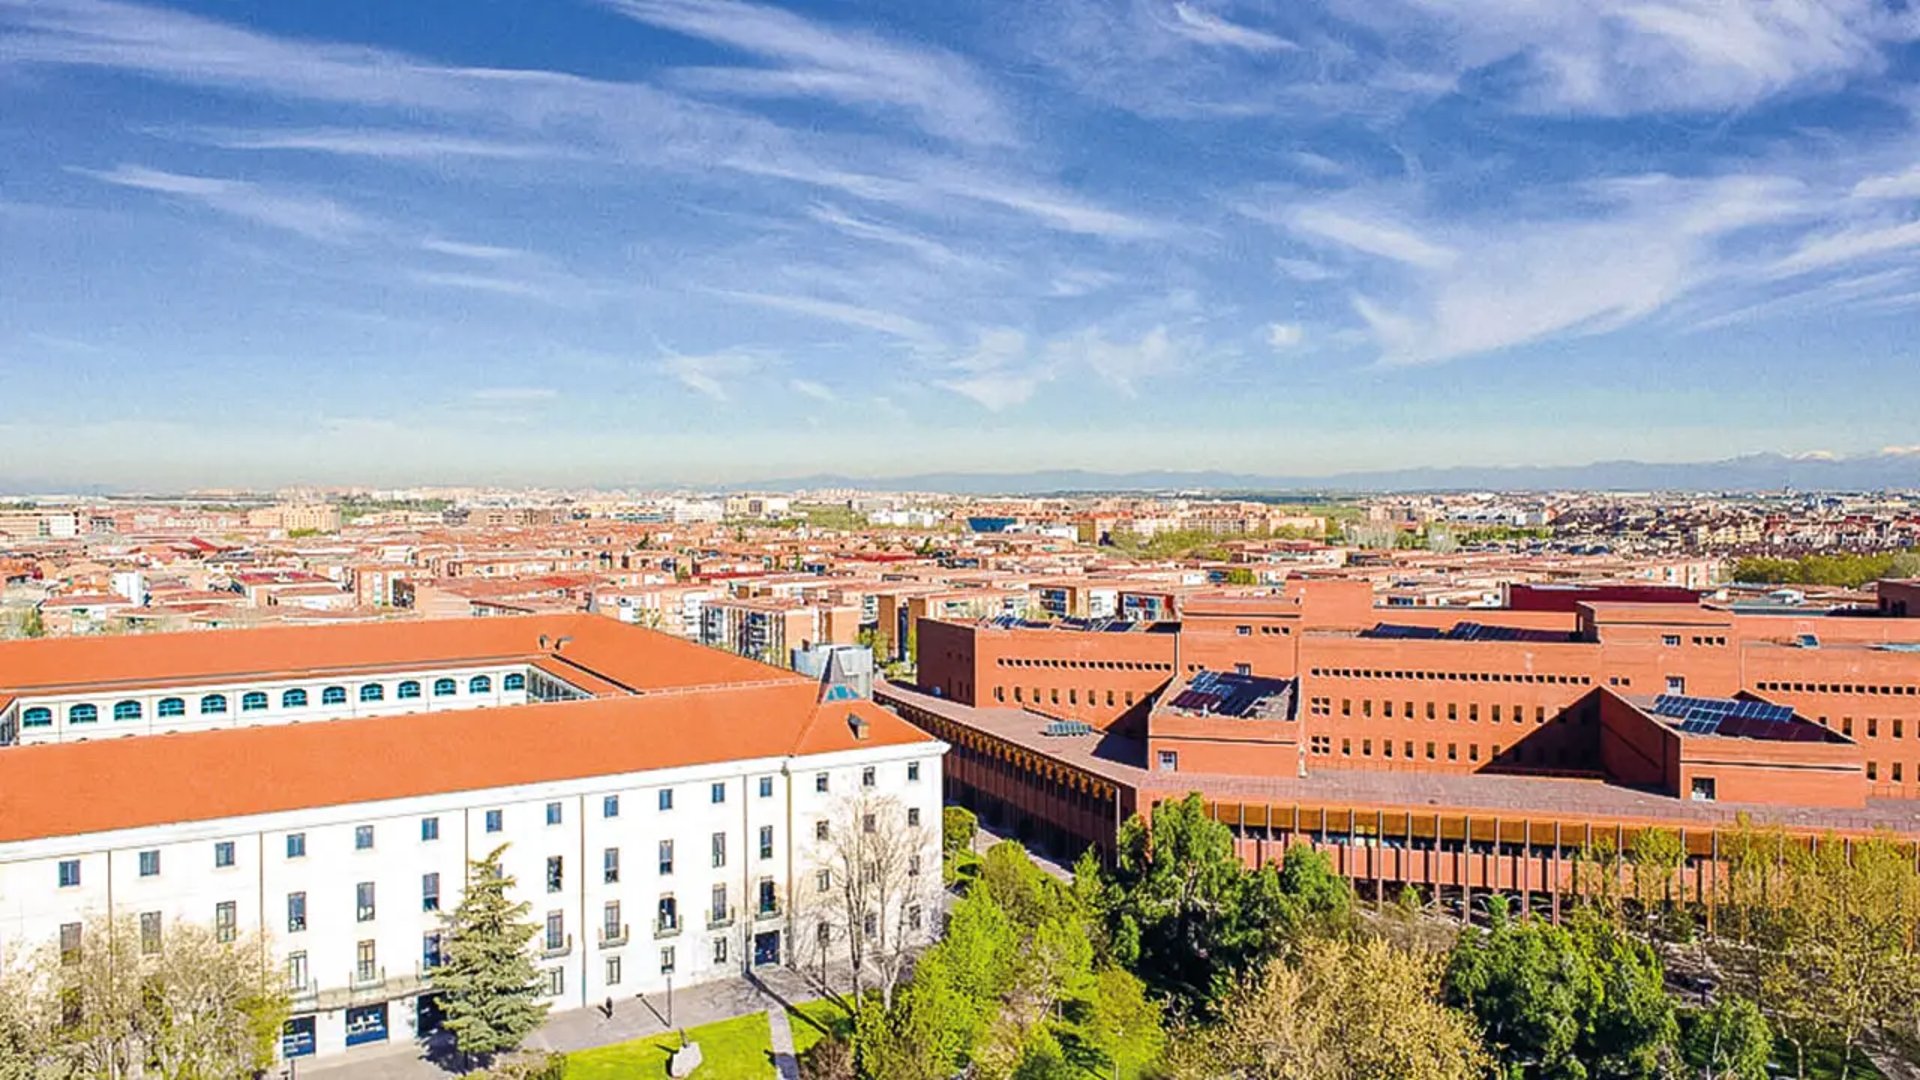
(771, 989)
(785, 1061)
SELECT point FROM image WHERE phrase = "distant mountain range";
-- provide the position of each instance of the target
(1754, 472)
(1891, 469)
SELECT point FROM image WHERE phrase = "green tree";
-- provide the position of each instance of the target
(1120, 1026)
(1564, 1003)
(958, 828)
(489, 987)
(1730, 1041)
(1184, 913)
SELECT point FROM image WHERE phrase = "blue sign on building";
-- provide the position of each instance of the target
(296, 1037)
(366, 1024)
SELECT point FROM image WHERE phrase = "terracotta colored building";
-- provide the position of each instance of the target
(1291, 711)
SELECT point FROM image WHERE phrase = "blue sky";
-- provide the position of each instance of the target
(643, 240)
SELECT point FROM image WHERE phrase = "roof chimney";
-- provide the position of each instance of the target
(858, 725)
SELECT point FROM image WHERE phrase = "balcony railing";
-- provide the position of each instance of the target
(665, 928)
(612, 937)
(718, 919)
(554, 948)
(378, 985)
(303, 992)
(365, 978)
(766, 911)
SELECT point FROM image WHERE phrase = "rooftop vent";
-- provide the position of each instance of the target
(858, 725)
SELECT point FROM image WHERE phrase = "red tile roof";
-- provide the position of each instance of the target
(631, 656)
(70, 789)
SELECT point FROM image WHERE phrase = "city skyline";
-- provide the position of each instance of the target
(709, 242)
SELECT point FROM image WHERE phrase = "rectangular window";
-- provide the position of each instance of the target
(296, 971)
(362, 837)
(766, 841)
(717, 910)
(69, 873)
(494, 823)
(719, 950)
(610, 806)
(69, 944)
(363, 901)
(553, 813)
(1169, 761)
(296, 912)
(766, 787)
(366, 965)
(913, 767)
(556, 931)
(296, 845)
(719, 849)
(556, 981)
(666, 798)
(610, 866)
(767, 903)
(429, 829)
(867, 777)
(821, 829)
(613, 971)
(149, 932)
(610, 927)
(225, 921)
(820, 783)
(150, 864)
(556, 873)
(913, 816)
(718, 793)
(666, 960)
(666, 857)
(430, 892)
(223, 853)
(669, 916)
(823, 881)
(430, 950)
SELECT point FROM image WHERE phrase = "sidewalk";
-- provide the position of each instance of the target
(580, 1029)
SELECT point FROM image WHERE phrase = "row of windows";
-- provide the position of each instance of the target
(1837, 688)
(1457, 676)
(1323, 706)
(1322, 745)
(1085, 665)
(256, 700)
(1073, 695)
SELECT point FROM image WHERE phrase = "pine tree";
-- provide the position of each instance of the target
(488, 984)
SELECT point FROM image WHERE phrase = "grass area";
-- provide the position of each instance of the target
(738, 1048)
(815, 1020)
(1823, 1063)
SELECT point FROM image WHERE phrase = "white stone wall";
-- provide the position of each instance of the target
(189, 885)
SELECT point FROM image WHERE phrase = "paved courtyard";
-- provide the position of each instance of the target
(769, 990)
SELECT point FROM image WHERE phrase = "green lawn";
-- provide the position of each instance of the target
(815, 1020)
(737, 1048)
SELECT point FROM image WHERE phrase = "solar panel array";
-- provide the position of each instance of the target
(1737, 718)
(1219, 693)
(1465, 631)
(1060, 728)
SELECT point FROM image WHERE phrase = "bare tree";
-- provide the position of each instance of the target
(881, 876)
(113, 997)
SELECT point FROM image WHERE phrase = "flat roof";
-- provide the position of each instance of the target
(1122, 760)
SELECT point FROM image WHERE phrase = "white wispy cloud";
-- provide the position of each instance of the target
(1284, 336)
(1371, 234)
(514, 394)
(852, 67)
(392, 144)
(463, 250)
(814, 390)
(489, 283)
(714, 374)
(1901, 185)
(1121, 363)
(933, 251)
(1195, 22)
(865, 318)
(1304, 269)
(315, 217)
